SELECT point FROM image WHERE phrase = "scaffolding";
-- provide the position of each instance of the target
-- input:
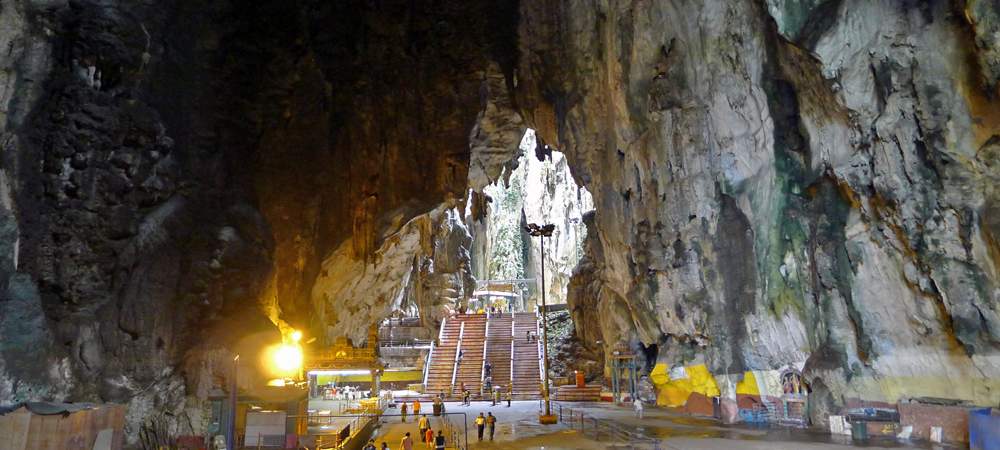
(624, 373)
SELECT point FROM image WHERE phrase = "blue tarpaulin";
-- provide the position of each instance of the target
(984, 430)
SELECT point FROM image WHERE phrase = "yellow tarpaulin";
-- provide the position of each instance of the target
(676, 392)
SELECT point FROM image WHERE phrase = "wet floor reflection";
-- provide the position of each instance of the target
(699, 428)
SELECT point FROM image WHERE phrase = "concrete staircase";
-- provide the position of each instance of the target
(526, 376)
(499, 348)
(470, 370)
(577, 394)
(443, 374)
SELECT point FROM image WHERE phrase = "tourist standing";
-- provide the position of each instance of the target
(423, 425)
(491, 420)
(402, 410)
(416, 408)
(480, 424)
(406, 443)
(439, 440)
(370, 446)
(638, 408)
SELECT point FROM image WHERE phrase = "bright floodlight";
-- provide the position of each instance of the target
(296, 336)
(288, 358)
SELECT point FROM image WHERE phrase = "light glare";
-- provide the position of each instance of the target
(288, 358)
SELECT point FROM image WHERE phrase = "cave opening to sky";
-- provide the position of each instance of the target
(536, 191)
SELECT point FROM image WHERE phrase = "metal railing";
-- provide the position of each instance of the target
(406, 342)
(598, 429)
(458, 353)
(455, 435)
(427, 365)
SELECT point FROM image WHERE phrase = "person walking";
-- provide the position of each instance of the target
(406, 443)
(480, 424)
(402, 411)
(416, 408)
(527, 336)
(423, 425)
(638, 408)
(384, 446)
(508, 398)
(370, 446)
(439, 440)
(429, 435)
(491, 420)
(468, 402)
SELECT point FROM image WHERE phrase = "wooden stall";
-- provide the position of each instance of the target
(62, 426)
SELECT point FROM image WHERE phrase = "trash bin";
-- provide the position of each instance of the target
(984, 429)
(579, 378)
(860, 430)
(437, 410)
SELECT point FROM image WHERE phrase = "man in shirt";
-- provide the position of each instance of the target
(370, 446)
(402, 410)
(406, 443)
(480, 424)
(491, 420)
(638, 408)
(423, 425)
(439, 440)
(416, 408)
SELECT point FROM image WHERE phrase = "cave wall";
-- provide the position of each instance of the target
(782, 183)
(177, 175)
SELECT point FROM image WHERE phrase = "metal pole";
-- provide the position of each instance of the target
(231, 429)
(545, 333)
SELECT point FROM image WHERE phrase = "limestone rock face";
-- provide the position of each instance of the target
(175, 176)
(423, 267)
(782, 183)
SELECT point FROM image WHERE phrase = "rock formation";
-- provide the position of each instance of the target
(176, 176)
(782, 183)
(777, 184)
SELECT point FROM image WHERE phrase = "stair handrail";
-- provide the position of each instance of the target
(482, 367)
(444, 321)
(512, 337)
(458, 350)
(541, 363)
(512, 365)
(427, 365)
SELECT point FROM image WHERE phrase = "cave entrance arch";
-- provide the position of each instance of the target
(506, 262)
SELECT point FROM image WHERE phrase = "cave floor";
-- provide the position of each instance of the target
(518, 428)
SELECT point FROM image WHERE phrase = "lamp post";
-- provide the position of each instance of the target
(543, 232)
(231, 414)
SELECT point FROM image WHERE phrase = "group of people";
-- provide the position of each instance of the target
(481, 422)
(426, 435)
(346, 392)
